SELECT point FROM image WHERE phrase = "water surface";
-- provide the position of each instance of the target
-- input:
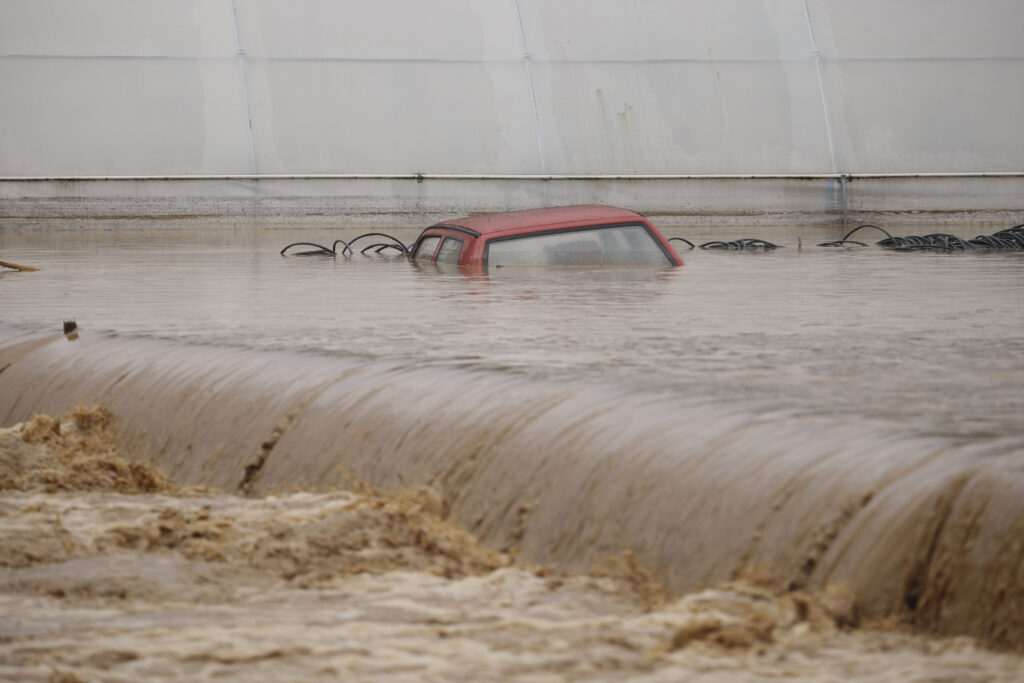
(850, 419)
(932, 341)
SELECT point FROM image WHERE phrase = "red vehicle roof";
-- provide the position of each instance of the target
(479, 232)
(536, 219)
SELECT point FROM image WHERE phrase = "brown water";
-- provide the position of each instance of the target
(100, 584)
(847, 418)
(933, 341)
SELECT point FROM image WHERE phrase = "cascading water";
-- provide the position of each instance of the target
(840, 418)
(572, 472)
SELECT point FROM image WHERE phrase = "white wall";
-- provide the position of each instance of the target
(149, 87)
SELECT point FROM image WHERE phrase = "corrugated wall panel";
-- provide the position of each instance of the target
(327, 117)
(682, 118)
(107, 28)
(367, 30)
(89, 116)
(924, 85)
(140, 87)
(120, 87)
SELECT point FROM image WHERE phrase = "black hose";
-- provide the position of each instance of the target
(320, 249)
(346, 247)
(347, 251)
(744, 244)
(861, 227)
(681, 239)
(839, 243)
(379, 247)
(754, 243)
(1014, 235)
(1011, 238)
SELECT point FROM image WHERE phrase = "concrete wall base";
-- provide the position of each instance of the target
(983, 200)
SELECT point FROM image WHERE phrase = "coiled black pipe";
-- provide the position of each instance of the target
(346, 247)
(744, 244)
(381, 247)
(394, 244)
(846, 238)
(1011, 238)
(318, 251)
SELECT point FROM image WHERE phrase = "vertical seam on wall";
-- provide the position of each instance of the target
(240, 56)
(842, 179)
(533, 91)
(821, 87)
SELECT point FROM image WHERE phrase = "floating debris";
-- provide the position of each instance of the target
(15, 266)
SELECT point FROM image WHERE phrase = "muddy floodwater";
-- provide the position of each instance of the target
(806, 463)
(930, 341)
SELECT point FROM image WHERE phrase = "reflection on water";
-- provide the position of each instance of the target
(932, 341)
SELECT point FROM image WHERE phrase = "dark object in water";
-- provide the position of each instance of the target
(346, 247)
(744, 244)
(15, 266)
(1011, 238)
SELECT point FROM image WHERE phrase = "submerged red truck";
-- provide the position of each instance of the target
(592, 235)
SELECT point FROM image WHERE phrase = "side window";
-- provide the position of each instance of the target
(451, 250)
(425, 251)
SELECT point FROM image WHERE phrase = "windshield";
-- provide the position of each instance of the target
(618, 245)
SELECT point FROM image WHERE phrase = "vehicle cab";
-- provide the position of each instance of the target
(594, 235)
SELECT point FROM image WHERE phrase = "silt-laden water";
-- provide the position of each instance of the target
(838, 418)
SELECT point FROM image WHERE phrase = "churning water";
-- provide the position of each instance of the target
(843, 416)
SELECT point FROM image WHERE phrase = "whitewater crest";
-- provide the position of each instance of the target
(115, 571)
(75, 453)
(302, 535)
